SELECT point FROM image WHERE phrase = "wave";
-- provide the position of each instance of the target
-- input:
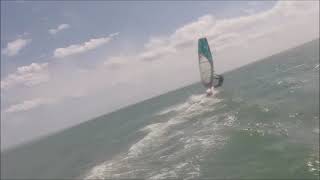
(173, 148)
(312, 162)
(193, 99)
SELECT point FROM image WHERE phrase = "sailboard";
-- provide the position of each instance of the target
(208, 77)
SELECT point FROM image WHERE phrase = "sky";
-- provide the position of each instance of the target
(64, 62)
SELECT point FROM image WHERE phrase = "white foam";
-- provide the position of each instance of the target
(181, 165)
(312, 162)
(265, 109)
(168, 110)
(164, 175)
(231, 118)
(295, 67)
(153, 138)
(189, 146)
(193, 104)
(180, 107)
(292, 116)
(156, 131)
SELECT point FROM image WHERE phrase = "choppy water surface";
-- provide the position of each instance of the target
(263, 123)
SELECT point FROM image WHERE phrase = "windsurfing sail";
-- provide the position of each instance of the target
(205, 62)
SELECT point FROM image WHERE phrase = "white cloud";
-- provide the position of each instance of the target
(59, 28)
(14, 47)
(29, 104)
(114, 34)
(223, 33)
(84, 47)
(30, 75)
(234, 42)
(115, 62)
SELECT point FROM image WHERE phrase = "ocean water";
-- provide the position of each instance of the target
(263, 123)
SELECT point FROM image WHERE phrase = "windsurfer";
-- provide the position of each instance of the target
(208, 76)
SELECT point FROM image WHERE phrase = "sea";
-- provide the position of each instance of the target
(263, 123)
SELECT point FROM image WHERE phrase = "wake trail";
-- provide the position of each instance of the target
(173, 148)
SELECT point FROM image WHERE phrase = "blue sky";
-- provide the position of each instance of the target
(82, 59)
(136, 21)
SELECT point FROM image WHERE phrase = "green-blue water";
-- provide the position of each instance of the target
(263, 123)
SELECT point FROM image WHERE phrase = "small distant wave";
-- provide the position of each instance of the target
(295, 67)
(265, 109)
(313, 163)
(291, 83)
(262, 129)
(167, 110)
(294, 115)
(193, 99)
(171, 149)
